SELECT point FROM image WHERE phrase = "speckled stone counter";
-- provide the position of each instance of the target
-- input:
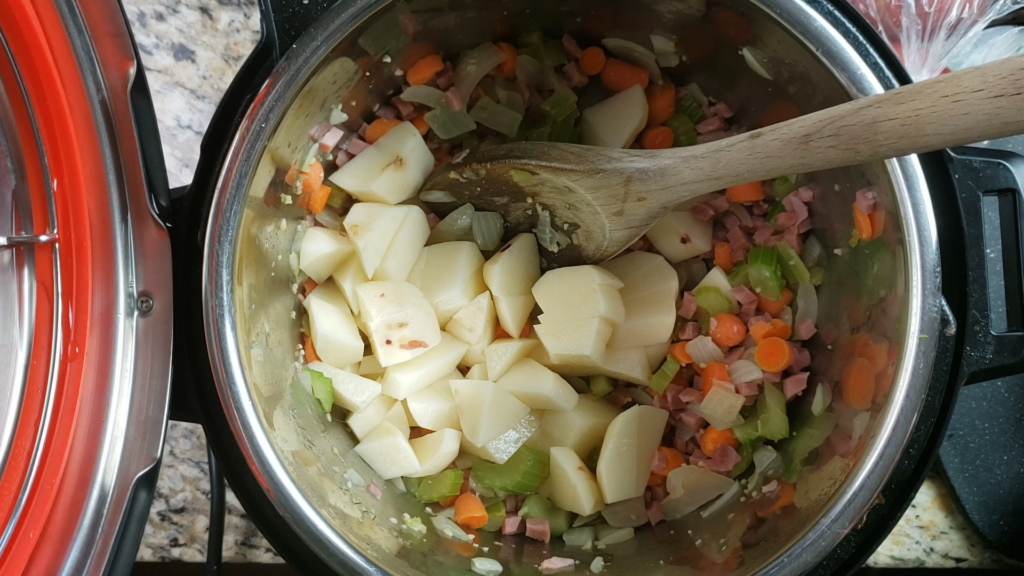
(191, 49)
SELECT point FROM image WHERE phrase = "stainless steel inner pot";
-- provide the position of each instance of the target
(250, 306)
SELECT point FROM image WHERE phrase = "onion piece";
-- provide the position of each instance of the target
(455, 226)
(329, 218)
(437, 196)
(639, 396)
(426, 95)
(496, 117)
(634, 54)
(528, 69)
(448, 123)
(488, 228)
(584, 520)
(723, 500)
(860, 425)
(580, 537)
(626, 513)
(721, 407)
(606, 535)
(787, 316)
(474, 65)
(689, 488)
(757, 62)
(806, 303)
(450, 530)
(697, 93)
(665, 50)
(704, 351)
(822, 398)
(745, 371)
(812, 251)
(548, 237)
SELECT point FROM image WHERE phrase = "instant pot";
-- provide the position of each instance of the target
(122, 290)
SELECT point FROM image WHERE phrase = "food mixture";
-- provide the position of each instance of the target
(578, 403)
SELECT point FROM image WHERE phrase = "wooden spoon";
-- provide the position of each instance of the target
(605, 199)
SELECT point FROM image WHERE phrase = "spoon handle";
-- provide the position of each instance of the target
(972, 105)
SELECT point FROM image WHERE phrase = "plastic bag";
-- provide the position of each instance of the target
(924, 33)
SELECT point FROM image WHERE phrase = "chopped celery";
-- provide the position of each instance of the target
(601, 386)
(540, 508)
(683, 130)
(447, 123)
(873, 264)
(792, 266)
(522, 473)
(784, 186)
(817, 275)
(437, 488)
(558, 105)
(771, 413)
(775, 210)
(323, 389)
(691, 109)
(704, 319)
(712, 299)
(337, 197)
(496, 117)
(412, 484)
(519, 176)
(746, 452)
(495, 516)
(748, 432)
(665, 374)
(740, 275)
(765, 275)
(804, 441)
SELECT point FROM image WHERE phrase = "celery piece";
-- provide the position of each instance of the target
(783, 186)
(563, 130)
(665, 374)
(740, 275)
(712, 299)
(437, 488)
(748, 432)
(691, 109)
(412, 484)
(558, 105)
(873, 265)
(337, 197)
(540, 131)
(772, 421)
(811, 435)
(683, 130)
(519, 176)
(447, 123)
(601, 386)
(496, 117)
(817, 275)
(495, 516)
(704, 319)
(522, 473)
(746, 452)
(775, 210)
(765, 275)
(792, 266)
(323, 389)
(540, 508)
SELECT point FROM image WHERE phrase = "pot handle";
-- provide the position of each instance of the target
(990, 190)
(283, 21)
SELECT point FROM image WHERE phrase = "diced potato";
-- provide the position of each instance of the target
(538, 387)
(630, 364)
(581, 429)
(388, 452)
(478, 372)
(434, 407)
(347, 277)
(406, 244)
(486, 411)
(719, 279)
(571, 485)
(629, 444)
(369, 366)
(396, 415)
(579, 292)
(351, 391)
(501, 354)
(371, 227)
(391, 170)
(503, 447)
(450, 275)
(680, 235)
(474, 325)
(649, 294)
(322, 251)
(401, 380)
(575, 342)
(398, 320)
(656, 353)
(616, 121)
(365, 420)
(509, 275)
(436, 451)
(332, 327)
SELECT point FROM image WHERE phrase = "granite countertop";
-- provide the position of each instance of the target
(191, 49)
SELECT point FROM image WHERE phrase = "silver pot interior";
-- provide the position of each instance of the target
(304, 460)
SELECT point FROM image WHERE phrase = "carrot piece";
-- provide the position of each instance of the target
(779, 111)
(713, 438)
(678, 351)
(418, 432)
(874, 351)
(526, 331)
(592, 61)
(780, 329)
(773, 354)
(654, 479)
(774, 307)
(661, 103)
(308, 286)
(673, 459)
(877, 222)
(656, 138)
(314, 177)
(508, 67)
(749, 192)
(470, 511)
(292, 176)
(858, 384)
(862, 223)
(310, 350)
(318, 199)
(421, 125)
(733, 26)
(499, 333)
(729, 330)
(415, 52)
(760, 330)
(619, 76)
(424, 70)
(883, 380)
(303, 201)
(787, 493)
(723, 255)
(714, 371)
(379, 128)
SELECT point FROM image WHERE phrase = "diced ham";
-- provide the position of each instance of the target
(738, 239)
(688, 306)
(341, 157)
(374, 490)
(801, 358)
(534, 97)
(692, 420)
(618, 397)
(741, 212)
(698, 458)
(659, 492)
(866, 199)
(654, 513)
(747, 388)
(356, 145)
(538, 529)
(696, 383)
(792, 237)
(689, 396)
(763, 232)
(388, 112)
(749, 400)
(770, 487)
(690, 331)
(724, 459)
(794, 385)
(703, 211)
(572, 49)
(460, 155)
(731, 221)
(513, 524)
(362, 130)
(659, 460)
(759, 208)
(785, 219)
(446, 77)
(555, 563)
(718, 232)
(722, 109)
(317, 132)
(772, 377)
(331, 138)
(734, 355)
(804, 329)
(573, 74)
(804, 226)
(454, 98)
(511, 506)
(713, 136)
(795, 206)
(706, 109)
(805, 194)
(409, 24)
(405, 109)
(720, 203)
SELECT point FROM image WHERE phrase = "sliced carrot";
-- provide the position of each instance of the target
(417, 432)
(470, 512)
(507, 68)
(314, 177)
(678, 351)
(729, 330)
(773, 354)
(713, 438)
(779, 111)
(292, 176)
(787, 493)
(423, 71)
(749, 192)
(310, 350)
(318, 199)
(500, 333)
(877, 222)
(308, 286)
(734, 27)
(883, 380)
(858, 384)
(780, 329)
(673, 459)
(525, 333)
(774, 307)
(760, 330)
(379, 128)
(421, 125)
(303, 201)
(656, 138)
(592, 61)
(715, 371)
(874, 350)
(655, 479)
(862, 223)
(723, 256)
(661, 103)
(415, 52)
(619, 76)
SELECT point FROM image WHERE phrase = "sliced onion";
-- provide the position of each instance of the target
(488, 227)
(329, 218)
(704, 351)
(607, 535)
(860, 425)
(806, 303)
(496, 117)
(767, 462)
(665, 50)
(691, 272)
(580, 537)
(787, 316)
(437, 196)
(757, 62)
(723, 500)
(426, 95)
(640, 397)
(689, 488)
(455, 226)
(822, 398)
(812, 251)
(474, 65)
(697, 93)
(528, 69)
(448, 123)
(584, 520)
(626, 513)
(450, 530)
(721, 407)
(549, 237)
(634, 54)
(745, 371)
